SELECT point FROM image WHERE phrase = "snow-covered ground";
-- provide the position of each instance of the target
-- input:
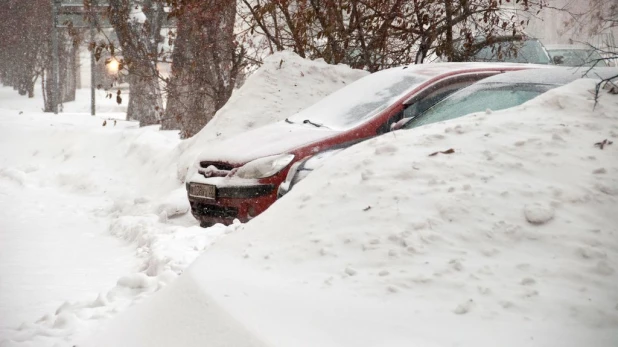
(510, 239)
(93, 217)
(52, 248)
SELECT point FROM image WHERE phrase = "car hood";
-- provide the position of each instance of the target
(276, 138)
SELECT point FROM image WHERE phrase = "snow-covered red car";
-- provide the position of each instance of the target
(238, 178)
(493, 93)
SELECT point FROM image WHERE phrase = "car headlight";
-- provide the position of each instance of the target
(265, 167)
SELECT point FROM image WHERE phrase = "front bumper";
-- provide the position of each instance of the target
(241, 202)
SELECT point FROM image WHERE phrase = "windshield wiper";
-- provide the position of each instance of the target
(307, 121)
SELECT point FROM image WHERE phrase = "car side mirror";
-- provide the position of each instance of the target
(558, 59)
(398, 125)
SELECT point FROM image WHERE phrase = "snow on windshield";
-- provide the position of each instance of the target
(478, 98)
(361, 100)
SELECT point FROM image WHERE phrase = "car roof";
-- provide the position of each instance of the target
(554, 75)
(371, 95)
(437, 69)
(568, 47)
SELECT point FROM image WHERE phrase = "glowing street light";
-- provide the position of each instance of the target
(113, 66)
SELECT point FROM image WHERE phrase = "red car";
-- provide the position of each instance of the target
(238, 178)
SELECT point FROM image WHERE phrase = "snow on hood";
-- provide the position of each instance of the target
(342, 110)
(282, 86)
(277, 138)
(509, 239)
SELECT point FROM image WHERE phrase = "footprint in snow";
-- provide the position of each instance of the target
(464, 308)
(528, 281)
(603, 268)
(538, 213)
(392, 289)
(350, 271)
(599, 171)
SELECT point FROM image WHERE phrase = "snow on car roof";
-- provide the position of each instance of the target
(366, 97)
(436, 69)
(556, 75)
(569, 47)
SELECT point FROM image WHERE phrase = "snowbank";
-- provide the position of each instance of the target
(282, 86)
(120, 181)
(510, 240)
(69, 187)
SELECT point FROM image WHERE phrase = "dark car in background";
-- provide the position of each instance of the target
(530, 51)
(576, 55)
(495, 93)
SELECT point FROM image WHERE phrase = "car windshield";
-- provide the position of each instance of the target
(361, 100)
(528, 51)
(478, 98)
(579, 57)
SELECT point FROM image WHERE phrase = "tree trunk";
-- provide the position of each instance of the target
(145, 101)
(139, 42)
(69, 75)
(48, 88)
(448, 42)
(205, 65)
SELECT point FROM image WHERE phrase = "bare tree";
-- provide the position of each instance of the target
(597, 19)
(137, 24)
(25, 50)
(23, 41)
(205, 63)
(592, 17)
(376, 34)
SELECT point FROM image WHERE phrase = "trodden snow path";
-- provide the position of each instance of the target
(93, 219)
(129, 182)
(53, 249)
(53, 245)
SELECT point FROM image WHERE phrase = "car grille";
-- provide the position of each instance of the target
(213, 210)
(215, 169)
(218, 165)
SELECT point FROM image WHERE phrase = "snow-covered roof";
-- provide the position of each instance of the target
(568, 47)
(363, 99)
(556, 75)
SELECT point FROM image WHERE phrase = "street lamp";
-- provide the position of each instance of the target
(112, 66)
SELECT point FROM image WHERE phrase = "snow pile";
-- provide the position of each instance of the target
(498, 228)
(282, 86)
(84, 182)
(71, 183)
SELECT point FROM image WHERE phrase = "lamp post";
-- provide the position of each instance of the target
(92, 64)
(55, 95)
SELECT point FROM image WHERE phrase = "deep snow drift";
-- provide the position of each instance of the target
(52, 247)
(510, 240)
(94, 218)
